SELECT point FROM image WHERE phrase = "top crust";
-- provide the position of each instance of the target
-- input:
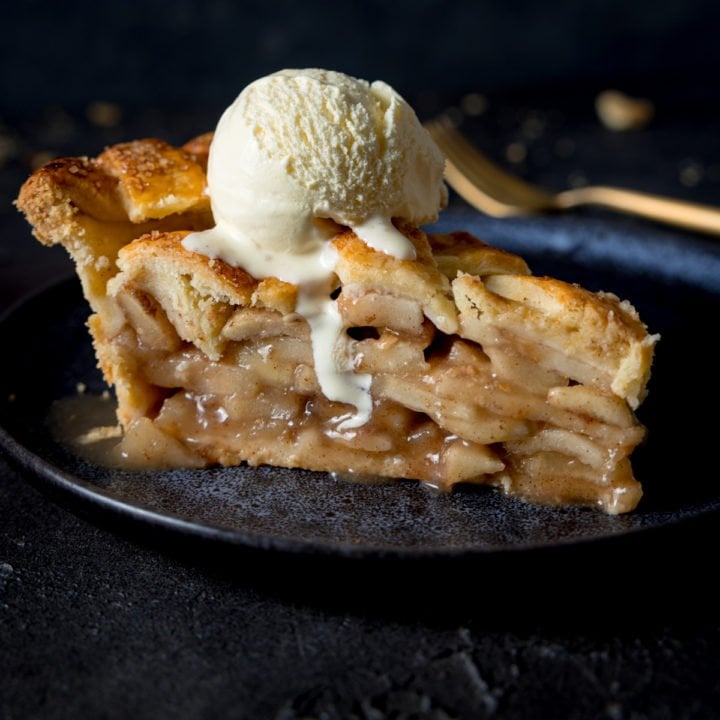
(198, 294)
(462, 252)
(134, 182)
(154, 179)
(592, 338)
(418, 279)
(123, 216)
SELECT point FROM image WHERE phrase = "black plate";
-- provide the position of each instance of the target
(673, 280)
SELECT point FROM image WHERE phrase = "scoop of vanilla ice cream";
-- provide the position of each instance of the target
(295, 150)
(354, 149)
(300, 146)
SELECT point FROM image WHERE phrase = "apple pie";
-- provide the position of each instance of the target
(480, 371)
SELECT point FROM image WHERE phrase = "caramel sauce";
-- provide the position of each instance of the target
(86, 425)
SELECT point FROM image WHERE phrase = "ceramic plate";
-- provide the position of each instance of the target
(673, 280)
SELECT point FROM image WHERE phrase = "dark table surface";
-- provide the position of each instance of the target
(105, 619)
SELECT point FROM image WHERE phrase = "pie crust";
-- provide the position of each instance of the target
(481, 372)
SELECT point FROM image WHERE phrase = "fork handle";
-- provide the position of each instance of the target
(693, 216)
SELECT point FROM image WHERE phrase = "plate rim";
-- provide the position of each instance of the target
(51, 480)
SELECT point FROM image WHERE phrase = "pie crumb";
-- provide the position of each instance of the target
(621, 112)
(104, 114)
(103, 432)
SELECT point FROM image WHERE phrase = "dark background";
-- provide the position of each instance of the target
(100, 621)
(192, 53)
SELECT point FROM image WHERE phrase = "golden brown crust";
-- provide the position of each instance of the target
(220, 280)
(56, 192)
(137, 182)
(199, 149)
(196, 292)
(80, 204)
(418, 279)
(225, 282)
(154, 179)
(460, 251)
(602, 339)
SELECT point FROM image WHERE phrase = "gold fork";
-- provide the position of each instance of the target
(498, 193)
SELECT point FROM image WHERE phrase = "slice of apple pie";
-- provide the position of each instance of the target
(477, 371)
